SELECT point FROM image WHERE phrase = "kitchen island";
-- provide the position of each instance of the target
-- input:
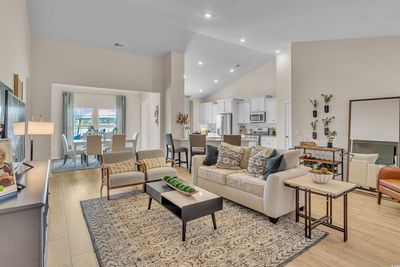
(215, 141)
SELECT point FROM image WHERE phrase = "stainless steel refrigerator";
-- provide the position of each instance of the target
(224, 123)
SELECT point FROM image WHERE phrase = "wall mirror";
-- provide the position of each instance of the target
(373, 140)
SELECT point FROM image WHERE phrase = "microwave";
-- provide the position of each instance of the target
(257, 117)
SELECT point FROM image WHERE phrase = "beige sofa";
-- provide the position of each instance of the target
(270, 197)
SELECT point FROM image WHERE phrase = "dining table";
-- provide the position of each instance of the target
(82, 143)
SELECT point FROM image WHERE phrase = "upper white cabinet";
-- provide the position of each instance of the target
(224, 106)
(214, 112)
(271, 110)
(206, 113)
(244, 112)
(257, 104)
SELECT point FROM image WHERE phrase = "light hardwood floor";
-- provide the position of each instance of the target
(374, 233)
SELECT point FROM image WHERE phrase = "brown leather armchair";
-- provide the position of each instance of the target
(388, 183)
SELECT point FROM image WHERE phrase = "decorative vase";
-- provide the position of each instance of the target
(314, 113)
(314, 135)
(326, 108)
(326, 130)
(330, 145)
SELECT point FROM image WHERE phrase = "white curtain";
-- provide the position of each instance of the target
(121, 113)
(68, 116)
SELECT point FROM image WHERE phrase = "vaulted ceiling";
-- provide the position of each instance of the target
(155, 27)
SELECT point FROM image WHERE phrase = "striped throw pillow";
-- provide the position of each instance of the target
(123, 166)
(155, 163)
(229, 156)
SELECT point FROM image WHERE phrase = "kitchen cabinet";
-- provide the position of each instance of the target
(214, 112)
(269, 141)
(257, 104)
(206, 113)
(271, 110)
(224, 106)
(243, 112)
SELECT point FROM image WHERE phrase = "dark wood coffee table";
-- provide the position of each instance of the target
(186, 208)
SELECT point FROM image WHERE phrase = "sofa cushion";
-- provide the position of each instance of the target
(211, 155)
(244, 161)
(126, 178)
(258, 157)
(159, 173)
(272, 165)
(246, 183)
(290, 160)
(229, 156)
(215, 174)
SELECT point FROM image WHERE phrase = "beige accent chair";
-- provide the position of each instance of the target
(93, 148)
(119, 180)
(68, 151)
(156, 173)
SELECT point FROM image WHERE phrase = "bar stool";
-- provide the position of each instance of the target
(197, 144)
(172, 150)
(233, 139)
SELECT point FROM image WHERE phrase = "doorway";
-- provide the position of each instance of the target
(288, 125)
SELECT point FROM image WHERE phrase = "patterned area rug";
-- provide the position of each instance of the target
(125, 233)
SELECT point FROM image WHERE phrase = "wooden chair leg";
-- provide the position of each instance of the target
(108, 193)
(379, 197)
(65, 159)
(179, 158)
(101, 190)
(187, 160)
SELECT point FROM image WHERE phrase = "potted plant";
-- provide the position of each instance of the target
(314, 127)
(115, 130)
(331, 136)
(327, 99)
(91, 130)
(183, 119)
(314, 102)
(326, 123)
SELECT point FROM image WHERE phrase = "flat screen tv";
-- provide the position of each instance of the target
(12, 110)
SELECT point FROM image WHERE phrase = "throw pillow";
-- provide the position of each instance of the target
(211, 156)
(290, 160)
(258, 157)
(155, 163)
(229, 156)
(244, 162)
(272, 165)
(123, 166)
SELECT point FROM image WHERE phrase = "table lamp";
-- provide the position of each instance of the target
(39, 128)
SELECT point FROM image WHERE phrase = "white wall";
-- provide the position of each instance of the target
(349, 69)
(150, 130)
(102, 97)
(259, 82)
(66, 63)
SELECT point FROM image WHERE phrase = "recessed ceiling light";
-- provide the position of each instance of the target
(231, 70)
(277, 51)
(216, 81)
(242, 40)
(201, 91)
(118, 45)
(184, 76)
(200, 63)
(208, 15)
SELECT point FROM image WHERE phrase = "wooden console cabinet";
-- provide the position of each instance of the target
(23, 219)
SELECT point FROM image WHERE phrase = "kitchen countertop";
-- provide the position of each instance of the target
(219, 139)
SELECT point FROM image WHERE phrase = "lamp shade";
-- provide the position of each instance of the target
(40, 128)
(19, 128)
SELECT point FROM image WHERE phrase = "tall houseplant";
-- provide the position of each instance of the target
(327, 99)
(314, 102)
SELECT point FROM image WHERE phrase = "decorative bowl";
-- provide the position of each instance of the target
(178, 189)
(320, 178)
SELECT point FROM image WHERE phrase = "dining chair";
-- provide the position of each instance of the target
(67, 151)
(118, 142)
(135, 137)
(172, 150)
(93, 147)
(197, 143)
(233, 139)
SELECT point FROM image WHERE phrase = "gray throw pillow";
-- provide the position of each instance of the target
(290, 160)
(272, 165)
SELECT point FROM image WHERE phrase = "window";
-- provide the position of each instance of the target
(107, 120)
(83, 118)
